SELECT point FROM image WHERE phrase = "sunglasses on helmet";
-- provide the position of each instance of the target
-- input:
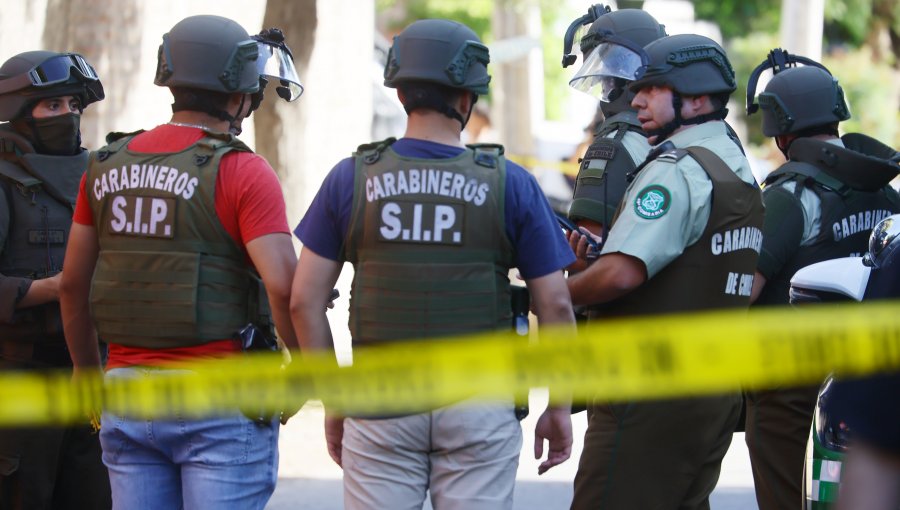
(50, 72)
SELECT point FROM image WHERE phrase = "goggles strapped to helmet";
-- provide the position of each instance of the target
(276, 63)
(53, 71)
(593, 14)
(778, 60)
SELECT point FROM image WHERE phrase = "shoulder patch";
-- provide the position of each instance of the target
(652, 202)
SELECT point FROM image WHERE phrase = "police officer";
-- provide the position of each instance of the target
(42, 96)
(821, 204)
(686, 238)
(613, 50)
(432, 228)
(186, 228)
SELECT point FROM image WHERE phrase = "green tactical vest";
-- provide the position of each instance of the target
(40, 193)
(428, 241)
(168, 274)
(716, 271)
(855, 195)
(601, 181)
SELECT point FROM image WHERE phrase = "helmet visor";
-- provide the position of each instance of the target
(605, 67)
(277, 67)
(52, 71)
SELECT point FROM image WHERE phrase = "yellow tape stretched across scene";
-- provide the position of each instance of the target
(647, 357)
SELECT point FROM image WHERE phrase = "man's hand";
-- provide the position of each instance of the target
(585, 253)
(555, 425)
(334, 435)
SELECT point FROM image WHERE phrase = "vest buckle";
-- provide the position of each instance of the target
(201, 159)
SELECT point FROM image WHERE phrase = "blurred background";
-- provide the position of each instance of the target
(340, 47)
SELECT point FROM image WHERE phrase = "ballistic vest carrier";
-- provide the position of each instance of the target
(40, 193)
(852, 183)
(168, 273)
(601, 181)
(427, 238)
(716, 271)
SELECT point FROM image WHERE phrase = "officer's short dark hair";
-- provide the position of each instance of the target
(422, 94)
(187, 98)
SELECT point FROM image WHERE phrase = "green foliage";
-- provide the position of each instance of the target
(476, 14)
(847, 20)
(872, 92)
(737, 18)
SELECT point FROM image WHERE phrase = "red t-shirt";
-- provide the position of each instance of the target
(249, 204)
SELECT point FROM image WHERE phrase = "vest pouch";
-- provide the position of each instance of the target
(395, 300)
(168, 299)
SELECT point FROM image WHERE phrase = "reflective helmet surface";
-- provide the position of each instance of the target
(884, 243)
(34, 75)
(613, 52)
(438, 51)
(799, 98)
(690, 64)
(209, 53)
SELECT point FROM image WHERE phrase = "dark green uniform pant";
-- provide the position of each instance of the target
(52, 468)
(778, 424)
(655, 455)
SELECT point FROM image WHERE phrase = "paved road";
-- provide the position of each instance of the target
(309, 480)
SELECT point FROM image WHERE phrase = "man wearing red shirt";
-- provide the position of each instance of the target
(180, 240)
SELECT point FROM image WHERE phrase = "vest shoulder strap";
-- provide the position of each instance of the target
(115, 142)
(371, 152)
(488, 155)
(711, 163)
(805, 174)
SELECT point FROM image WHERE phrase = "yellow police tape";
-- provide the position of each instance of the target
(648, 357)
(532, 163)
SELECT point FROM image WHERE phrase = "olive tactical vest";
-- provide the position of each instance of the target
(716, 271)
(855, 195)
(40, 193)
(168, 273)
(428, 241)
(601, 181)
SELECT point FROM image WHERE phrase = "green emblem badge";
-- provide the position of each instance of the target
(652, 202)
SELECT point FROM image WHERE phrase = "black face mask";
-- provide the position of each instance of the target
(55, 136)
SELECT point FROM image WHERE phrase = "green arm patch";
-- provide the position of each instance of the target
(652, 202)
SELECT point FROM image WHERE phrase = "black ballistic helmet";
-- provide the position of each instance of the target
(800, 98)
(690, 64)
(32, 76)
(209, 53)
(438, 51)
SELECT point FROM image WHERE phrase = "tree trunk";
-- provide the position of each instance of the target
(278, 124)
(110, 38)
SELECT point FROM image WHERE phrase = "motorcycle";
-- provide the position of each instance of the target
(848, 279)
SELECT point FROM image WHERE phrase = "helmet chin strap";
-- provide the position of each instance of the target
(670, 127)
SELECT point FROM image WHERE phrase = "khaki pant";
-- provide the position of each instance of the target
(659, 455)
(466, 455)
(778, 424)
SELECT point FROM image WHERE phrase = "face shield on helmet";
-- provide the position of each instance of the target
(607, 68)
(884, 243)
(276, 64)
